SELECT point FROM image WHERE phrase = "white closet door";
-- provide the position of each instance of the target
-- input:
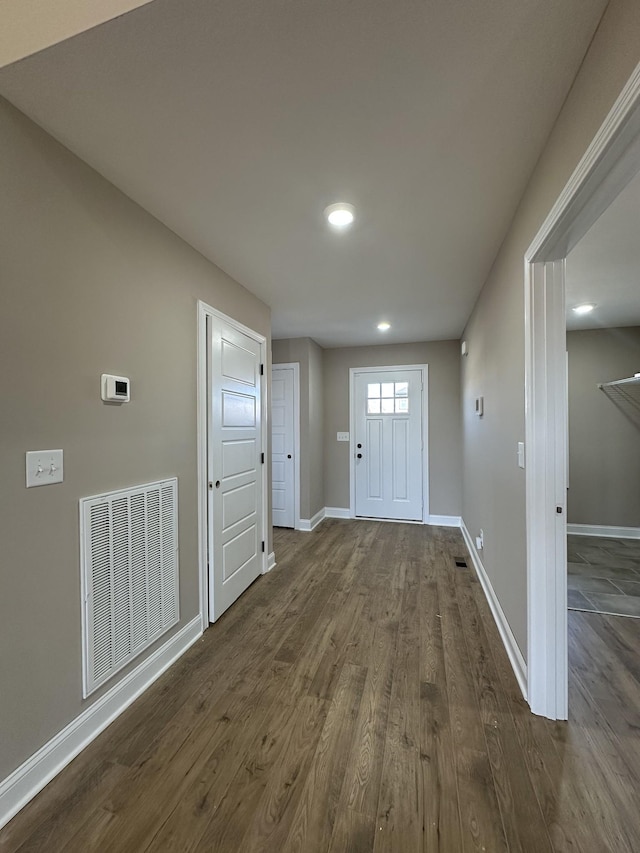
(235, 506)
(282, 447)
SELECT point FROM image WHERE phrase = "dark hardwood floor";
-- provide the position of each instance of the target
(358, 698)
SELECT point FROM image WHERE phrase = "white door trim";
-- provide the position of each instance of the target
(608, 165)
(296, 435)
(205, 311)
(424, 368)
(545, 437)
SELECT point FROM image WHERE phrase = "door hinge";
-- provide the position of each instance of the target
(263, 547)
(262, 458)
(262, 370)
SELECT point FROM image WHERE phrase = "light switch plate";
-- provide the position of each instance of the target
(521, 454)
(44, 467)
(343, 436)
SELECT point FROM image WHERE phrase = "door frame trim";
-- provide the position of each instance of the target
(424, 369)
(295, 366)
(609, 163)
(204, 311)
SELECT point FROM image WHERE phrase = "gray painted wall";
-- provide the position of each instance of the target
(90, 284)
(309, 356)
(443, 358)
(494, 486)
(604, 429)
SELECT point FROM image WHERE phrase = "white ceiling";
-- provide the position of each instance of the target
(235, 122)
(604, 267)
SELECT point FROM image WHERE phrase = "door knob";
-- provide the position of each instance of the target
(359, 455)
(359, 446)
(288, 456)
(217, 484)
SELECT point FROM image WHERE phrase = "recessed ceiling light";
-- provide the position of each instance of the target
(384, 327)
(587, 308)
(340, 215)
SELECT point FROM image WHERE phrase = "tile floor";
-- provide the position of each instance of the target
(604, 575)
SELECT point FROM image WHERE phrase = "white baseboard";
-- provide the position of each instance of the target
(445, 520)
(514, 654)
(604, 530)
(25, 782)
(439, 520)
(308, 524)
(336, 512)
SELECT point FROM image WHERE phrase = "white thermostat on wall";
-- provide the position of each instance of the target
(115, 389)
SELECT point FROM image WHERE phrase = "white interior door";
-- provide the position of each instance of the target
(388, 444)
(282, 447)
(235, 464)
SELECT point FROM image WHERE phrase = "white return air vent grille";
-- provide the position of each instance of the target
(129, 563)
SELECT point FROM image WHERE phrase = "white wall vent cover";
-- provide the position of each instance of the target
(129, 575)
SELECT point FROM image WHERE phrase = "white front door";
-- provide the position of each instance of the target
(388, 444)
(235, 464)
(282, 447)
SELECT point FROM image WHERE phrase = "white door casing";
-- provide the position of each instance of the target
(283, 446)
(546, 530)
(387, 438)
(231, 386)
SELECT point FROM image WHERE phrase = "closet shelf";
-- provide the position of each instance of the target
(632, 380)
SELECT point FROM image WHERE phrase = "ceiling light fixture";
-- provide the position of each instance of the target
(384, 327)
(340, 215)
(587, 308)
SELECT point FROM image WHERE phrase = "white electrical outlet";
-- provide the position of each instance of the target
(44, 467)
(343, 436)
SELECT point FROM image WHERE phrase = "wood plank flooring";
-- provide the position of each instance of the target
(358, 698)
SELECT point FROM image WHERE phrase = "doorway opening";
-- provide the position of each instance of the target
(603, 354)
(610, 162)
